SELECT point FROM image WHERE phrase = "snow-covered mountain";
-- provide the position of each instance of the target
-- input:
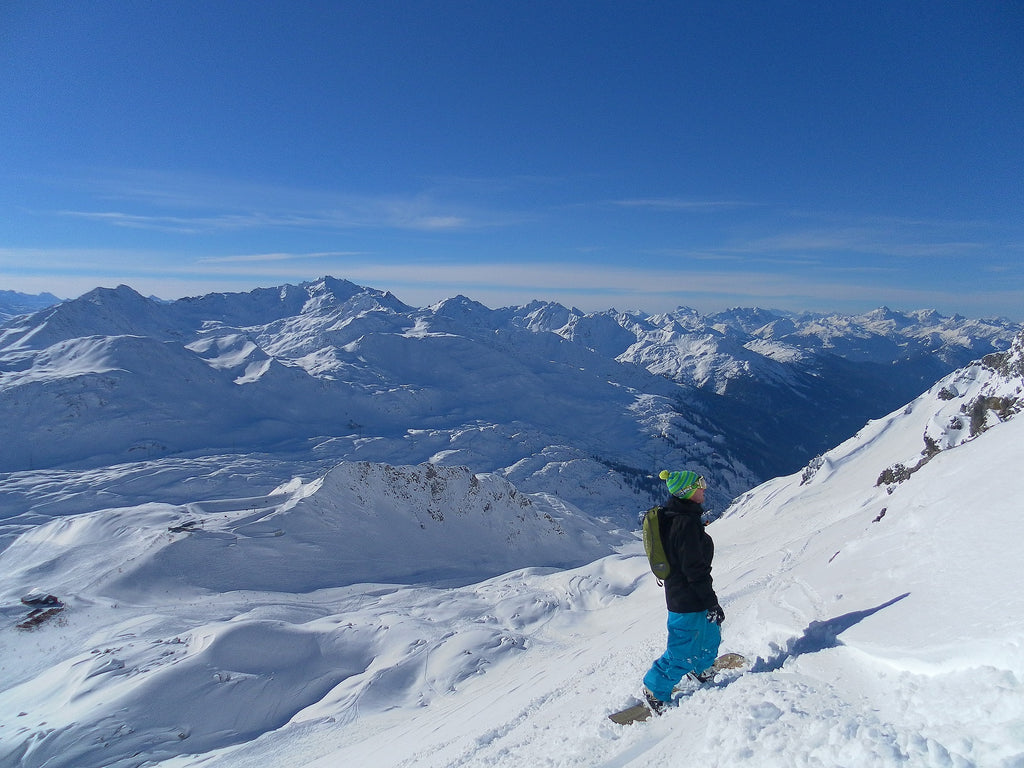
(586, 406)
(13, 303)
(813, 378)
(330, 371)
(203, 618)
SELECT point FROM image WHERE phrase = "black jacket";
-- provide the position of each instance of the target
(688, 588)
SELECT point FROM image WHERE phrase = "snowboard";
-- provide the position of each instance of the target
(640, 712)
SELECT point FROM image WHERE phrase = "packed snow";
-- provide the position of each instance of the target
(425, 616)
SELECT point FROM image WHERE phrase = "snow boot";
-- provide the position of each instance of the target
(706, 676)
(656, 705)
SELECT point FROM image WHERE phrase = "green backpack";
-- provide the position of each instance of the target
(652, 545)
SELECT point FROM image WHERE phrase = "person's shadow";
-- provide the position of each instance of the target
(818, 636)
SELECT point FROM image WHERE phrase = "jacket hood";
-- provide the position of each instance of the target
(677, 506)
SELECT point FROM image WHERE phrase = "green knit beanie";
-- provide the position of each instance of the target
(682, 484)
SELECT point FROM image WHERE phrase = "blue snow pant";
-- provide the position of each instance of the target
(692, 647)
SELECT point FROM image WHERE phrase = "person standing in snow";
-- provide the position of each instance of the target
(694, 614)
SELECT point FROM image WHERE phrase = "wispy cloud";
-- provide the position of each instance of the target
(648, 252)
(683, 205)
(861, 240)
(257, 258)
(362, 215)
(189, 224)
(70, 273)
(191, 204)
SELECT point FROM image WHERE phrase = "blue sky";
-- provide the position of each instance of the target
(631, 154)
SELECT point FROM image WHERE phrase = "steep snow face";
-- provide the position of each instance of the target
(965, 404)
(708, 360)
(606, 333)
(935, 535)
(541, 316)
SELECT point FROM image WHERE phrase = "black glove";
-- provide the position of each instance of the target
(716, 614)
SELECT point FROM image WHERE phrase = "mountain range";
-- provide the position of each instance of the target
(231, 609)
(587, 406)
(13, 303)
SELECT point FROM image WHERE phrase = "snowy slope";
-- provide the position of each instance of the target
(332, 371)
(170, 602)
(884, 619)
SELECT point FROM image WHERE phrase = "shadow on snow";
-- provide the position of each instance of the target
(819, 636)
